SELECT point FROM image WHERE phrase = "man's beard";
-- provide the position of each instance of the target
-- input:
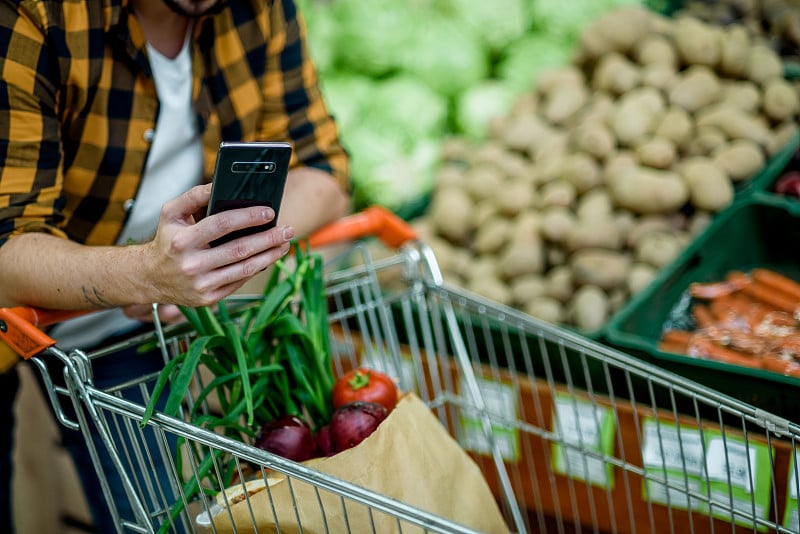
(180, 10)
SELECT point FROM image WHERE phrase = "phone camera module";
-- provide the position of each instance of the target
(253, 166)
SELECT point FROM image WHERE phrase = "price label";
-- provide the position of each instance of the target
(584, 430)
(739, 477)
(732, 462)
(673, 460)
(501, 402)
(672, 448)
(791, 518)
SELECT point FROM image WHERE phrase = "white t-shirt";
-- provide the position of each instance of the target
(174, 164)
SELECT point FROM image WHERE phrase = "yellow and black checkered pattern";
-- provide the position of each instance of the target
(77, 100)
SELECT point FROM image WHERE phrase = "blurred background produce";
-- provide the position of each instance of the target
(401, 76)
(556, 155)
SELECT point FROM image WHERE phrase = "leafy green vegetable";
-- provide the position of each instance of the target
(267, 361)
(479, 104)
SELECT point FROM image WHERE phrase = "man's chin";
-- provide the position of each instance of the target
(195, 9)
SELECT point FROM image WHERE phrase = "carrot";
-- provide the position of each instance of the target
(703, 316)
(777, 281)
(706, 348)
(712, 290)
(672, 346)
(772, 297)
(784, 366)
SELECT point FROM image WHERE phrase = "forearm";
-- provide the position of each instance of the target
(312, 199)
(42, 270)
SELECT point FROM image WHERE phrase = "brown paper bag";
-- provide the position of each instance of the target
(410, 457)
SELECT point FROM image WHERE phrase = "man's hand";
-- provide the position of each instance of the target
(185, 270)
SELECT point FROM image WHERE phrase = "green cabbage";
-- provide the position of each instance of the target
(524, 59)
(479, 104)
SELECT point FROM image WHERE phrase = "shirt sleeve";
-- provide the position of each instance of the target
(30, 162)
(294, 103)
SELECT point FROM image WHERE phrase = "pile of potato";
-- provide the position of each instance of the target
(776, 21)
(608, 168)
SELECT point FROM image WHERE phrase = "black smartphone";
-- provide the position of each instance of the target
(249, 174)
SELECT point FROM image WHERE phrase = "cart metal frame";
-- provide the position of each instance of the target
(570, 434)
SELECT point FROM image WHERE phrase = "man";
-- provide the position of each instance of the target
(111, 113)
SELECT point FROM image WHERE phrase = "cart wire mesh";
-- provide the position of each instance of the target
(570, 435)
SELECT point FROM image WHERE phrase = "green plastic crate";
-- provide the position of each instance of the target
(754, 232)
(763, 185)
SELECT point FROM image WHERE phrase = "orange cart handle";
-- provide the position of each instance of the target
(375, 221)
(20, 327)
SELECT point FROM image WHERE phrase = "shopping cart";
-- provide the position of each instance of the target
(569, 434)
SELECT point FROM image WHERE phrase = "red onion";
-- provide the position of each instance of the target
(789, 184)
(353, 422)
(289, 437)
(324, 440)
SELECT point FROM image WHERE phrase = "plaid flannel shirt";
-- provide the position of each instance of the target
(78, 105)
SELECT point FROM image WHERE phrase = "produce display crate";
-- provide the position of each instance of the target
(757, 231)
(763, 185)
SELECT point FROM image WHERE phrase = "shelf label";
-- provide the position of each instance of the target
(791, 517)
(501, 403)
(673, 463)
(584, 431)
(739, 477)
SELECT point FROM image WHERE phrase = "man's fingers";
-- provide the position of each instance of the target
(221, 224)
(188, 203)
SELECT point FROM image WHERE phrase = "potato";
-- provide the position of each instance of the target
(656, 152)
(735, 123)
(781, 101)
(676, 125)
(740, 159)
(763, 64)
(615, 31)
(646, 190)
(482, 181)
(604, 268)
(657, 50)
(450, 213)
(546, 309)
(492, 235)
(558, 283)
(637, 114)
(594, 234)
(706, 140)
(491, 288)
(615, 164)
(449, 175)
(696, 88)
(525, 251)
(734, 51)
(556, 223)
(645, 225)
(615, 74)
(710, 188)
(658, 249)
(514, 196)
(639, 277)
(659, 76)
(526, 288)
(557, 193)
(781, 136)
(698, 43)
(524, 131)
(742, 94)
(564, 103)
(589, 308)
(582, 171)
(554, 78)
(594, 138)
(595, 205)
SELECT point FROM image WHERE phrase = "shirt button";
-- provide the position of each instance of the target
(128, 204)
(149, 134)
